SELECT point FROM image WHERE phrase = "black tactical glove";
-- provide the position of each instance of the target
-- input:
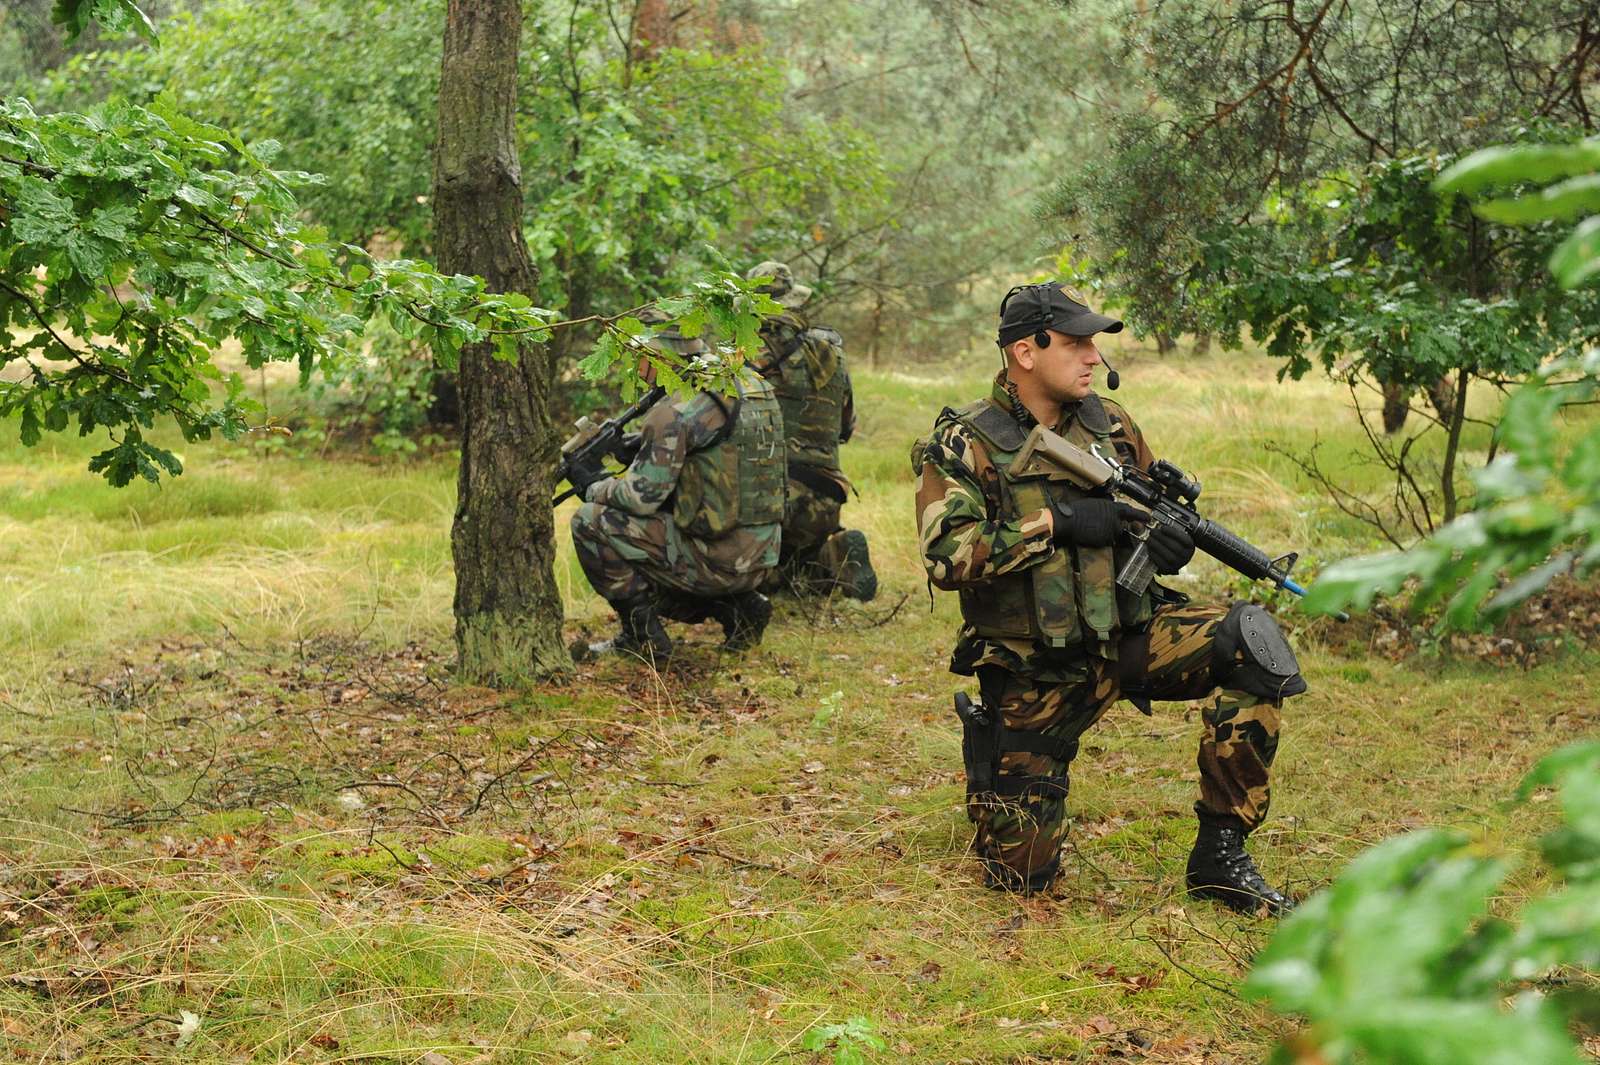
(585, 474)
(1091, 522)
(1170, 547)
(628, 448)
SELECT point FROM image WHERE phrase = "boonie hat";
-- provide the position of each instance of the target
(668, 337)
(1028, 309)
(782, 287)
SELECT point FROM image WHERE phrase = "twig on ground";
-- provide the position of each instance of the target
(733, 859)
(425, 806)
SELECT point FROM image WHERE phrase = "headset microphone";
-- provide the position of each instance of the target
(1113, 379)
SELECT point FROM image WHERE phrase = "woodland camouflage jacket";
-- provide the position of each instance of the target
(969, 540)
(807, 368)
(716, 480)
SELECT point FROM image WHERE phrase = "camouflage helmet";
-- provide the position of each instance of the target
(668, 337)
(782, 287)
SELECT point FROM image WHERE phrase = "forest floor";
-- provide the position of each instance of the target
(245, 814)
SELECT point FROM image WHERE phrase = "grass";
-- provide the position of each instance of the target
(238, 783)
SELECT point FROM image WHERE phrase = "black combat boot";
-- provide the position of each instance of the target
(1220, 869)
(641, 633)
(856, 578)
(743, 618)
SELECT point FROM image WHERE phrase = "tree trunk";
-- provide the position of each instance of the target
(1396, 406)
(653, 30)
(507, 606)
(1458, 418)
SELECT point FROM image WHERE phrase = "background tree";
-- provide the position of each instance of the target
(135, 241)
(1537, 513)
(1378, 276)
(507, 606)
(634, 159)
(1282, 181)
(1286, 93)
(972, 126)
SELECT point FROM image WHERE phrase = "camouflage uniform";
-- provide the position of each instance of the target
(1054, 643)
(806, 366)
(698, 510)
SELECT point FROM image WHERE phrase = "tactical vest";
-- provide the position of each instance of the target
(1070, 598)
(739, 478)
(806, 368)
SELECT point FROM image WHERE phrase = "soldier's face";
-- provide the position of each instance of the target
(1066, 367)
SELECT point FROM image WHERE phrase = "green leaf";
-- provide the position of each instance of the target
(1530, 583)
(29, 427)
(1518, 163)
(1562, 929)
(1575, 854)
(606, 351)
(1356, 582)
(1441, 1032)
(1577, 258)
(1581, 757)
(113, 223)
(1570, 199)
(1366, 935)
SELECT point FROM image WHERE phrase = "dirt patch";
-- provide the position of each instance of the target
(214, 727)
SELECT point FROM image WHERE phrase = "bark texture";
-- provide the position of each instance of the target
(507, 604)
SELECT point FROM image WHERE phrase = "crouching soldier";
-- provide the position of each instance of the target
(691, 528)
(806, 366)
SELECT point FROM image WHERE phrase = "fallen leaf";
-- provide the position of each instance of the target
(188, 1025)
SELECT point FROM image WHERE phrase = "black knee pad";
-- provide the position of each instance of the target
(1268, 667)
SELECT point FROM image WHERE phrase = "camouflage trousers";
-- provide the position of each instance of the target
(1021, 829)
(813, 542)
(627, 556)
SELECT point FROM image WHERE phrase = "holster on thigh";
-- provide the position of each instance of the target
(1133, 661)
(985, 739)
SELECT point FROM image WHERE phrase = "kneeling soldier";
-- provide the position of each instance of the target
(806, 366)
(1055, 642)
(691, 528)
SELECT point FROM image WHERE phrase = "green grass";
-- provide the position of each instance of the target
(237, 781)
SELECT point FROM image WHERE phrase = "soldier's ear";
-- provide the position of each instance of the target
(1022, 354)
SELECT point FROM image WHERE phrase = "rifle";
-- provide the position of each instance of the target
(593, 440)
(1168, 494)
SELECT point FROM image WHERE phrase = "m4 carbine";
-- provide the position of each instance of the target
(592, 441)
(1167, 493)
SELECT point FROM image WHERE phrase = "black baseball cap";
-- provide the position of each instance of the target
(1027, 309)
